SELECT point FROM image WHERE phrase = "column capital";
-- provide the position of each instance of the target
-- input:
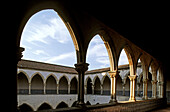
(19, 55)
(81, 67)
(132, 77)
(113, 73)
(153, 82)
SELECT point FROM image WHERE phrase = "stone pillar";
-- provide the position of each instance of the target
(19, 55)
(29, 91)
(44, 88)
(123, 89)
(132, 88)
(81, 68)
(93, 88)
(154, 89)
(69, 86)
(138, 89)
(85, 89)
(101, 87)
(161, 90)
(145, 89)
(57, 88)
(113, 75)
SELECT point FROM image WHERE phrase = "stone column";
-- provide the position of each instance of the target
(69, 86)
(29, 91)
(154, 89)
(123, 89)
(161, 89)
(57, 88)
(132, 88)
(19, 55)
(113, 75)
(81, 68)
(93, 88)
(138, 89)
(85, 89)
(101, 87)
(44, 88)
(145, 89)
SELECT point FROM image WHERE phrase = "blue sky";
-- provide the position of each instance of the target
(46, 39)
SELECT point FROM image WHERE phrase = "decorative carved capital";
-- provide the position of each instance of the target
(113, 73)
(19, 55)
(81, 67)
(132, 77)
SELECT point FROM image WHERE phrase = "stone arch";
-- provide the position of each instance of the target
(51, 84)
(73, 85)
(37, 84)
(130, 56)
(106, 85)
(61, 11)
(56, 79)
(87, 80)
(63, 85)
(37, 73)
(62, 105)
(25, 108)
(94, 79)
(21, 71)
(22, 83)
(68, 81)
(103, 78)
(97, 85)
(89, 85)
(44, 106)
(108, 42)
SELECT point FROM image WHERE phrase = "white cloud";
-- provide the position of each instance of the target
(41, 31)
(60, 57)
(40, 52)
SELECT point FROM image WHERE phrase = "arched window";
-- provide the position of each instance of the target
(51, 85)
(23, 85)
(44, 106)
(97, 86)
(37, 85)
(97, 55)
(62, 105)
(106, 85)
(73, 84)
(89, 86)
(63, 86)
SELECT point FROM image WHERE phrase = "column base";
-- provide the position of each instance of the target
(144, 97)
(132, 99)
(80, 104)
(113, 101)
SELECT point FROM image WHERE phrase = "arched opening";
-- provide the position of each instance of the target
(51, 85)
(97, 55)
(62, 105)
(127, 86)
(37, 85)
(25, 108)
(149, 85)
(106, 86)
(88, 103)
(23, 85)
(119, 86)
(73, 86)
(63, 86)
(97, 86)
(89, 86)
(44, 106)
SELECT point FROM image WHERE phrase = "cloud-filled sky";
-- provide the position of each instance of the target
(46, 39)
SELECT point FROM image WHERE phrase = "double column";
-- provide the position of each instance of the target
(113, 75)
(132, 88)
(81, 68)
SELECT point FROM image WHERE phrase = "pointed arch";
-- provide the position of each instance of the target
(37, 73)
(44, 106)
(94, 79)
(106, 85)
(55, 77)
(63, 85)
(87, 80)
(37, 84)
(89, 85)
(130, 56)
(51, 84)
(68, 81)
(21, 71)
(22, 83)
(103, 78)
(73, 85)
(97, 85)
